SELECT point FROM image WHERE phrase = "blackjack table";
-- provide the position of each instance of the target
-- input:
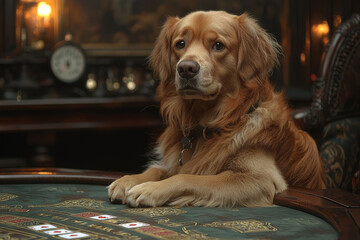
(73, 204)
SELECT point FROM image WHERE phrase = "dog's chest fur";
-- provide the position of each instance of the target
(228, 144)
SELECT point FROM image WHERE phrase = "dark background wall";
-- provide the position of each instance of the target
(117, 37)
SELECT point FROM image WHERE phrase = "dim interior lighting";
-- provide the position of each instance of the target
(44, 173)
(313, 77)
(91, 83)
(44, 9)
(321, 29)
(337, 20)
(129, 81)
(131, 86)
(302, 58)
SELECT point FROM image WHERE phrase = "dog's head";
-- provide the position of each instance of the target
(206, 54)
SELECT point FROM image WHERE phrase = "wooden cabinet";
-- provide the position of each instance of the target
(88, 133)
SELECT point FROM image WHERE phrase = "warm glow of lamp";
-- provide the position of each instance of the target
(337, 20)
(44, 9)
(321, 29)
(303, 58)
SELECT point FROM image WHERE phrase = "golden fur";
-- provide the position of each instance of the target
(259, 150)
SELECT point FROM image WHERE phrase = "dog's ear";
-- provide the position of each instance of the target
(258, 51)
(160, 58)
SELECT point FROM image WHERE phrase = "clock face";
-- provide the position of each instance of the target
(68, 63)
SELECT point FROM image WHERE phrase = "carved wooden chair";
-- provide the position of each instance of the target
(334, 116)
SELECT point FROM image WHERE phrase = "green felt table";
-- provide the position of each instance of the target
(39, 207)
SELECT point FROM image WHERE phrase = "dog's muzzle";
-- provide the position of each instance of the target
(191, 84)
(188, 69)
(188, 73)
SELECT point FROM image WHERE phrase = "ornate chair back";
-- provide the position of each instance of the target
(334, 116)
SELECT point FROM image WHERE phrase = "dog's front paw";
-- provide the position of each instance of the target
(149, 194)
(117, 190)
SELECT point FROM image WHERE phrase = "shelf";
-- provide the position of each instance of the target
(79, 113)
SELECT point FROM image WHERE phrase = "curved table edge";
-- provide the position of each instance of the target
(327, 204)
(330, 209)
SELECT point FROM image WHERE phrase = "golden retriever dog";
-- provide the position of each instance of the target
(229, 138)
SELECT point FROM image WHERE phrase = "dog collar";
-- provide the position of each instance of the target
(195, 133)
(190, 135)
(201, 131)
(254, 106)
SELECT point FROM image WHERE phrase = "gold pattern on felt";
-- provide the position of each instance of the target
(83, 203)
(195, 235)
(10, 233)
(169, 223)
(6, 197)
(4, 206)
(155, 212)
(244, 226)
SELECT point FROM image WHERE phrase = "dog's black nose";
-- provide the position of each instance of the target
(188, 69)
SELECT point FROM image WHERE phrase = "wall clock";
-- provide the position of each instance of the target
(68, 62)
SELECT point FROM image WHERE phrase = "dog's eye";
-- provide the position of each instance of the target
(218, 46)
(180, 44)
